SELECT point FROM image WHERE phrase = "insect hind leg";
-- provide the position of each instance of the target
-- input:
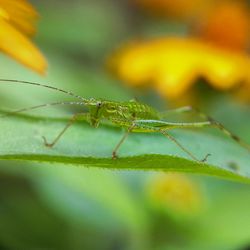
(212, 121)
(163, 128)
(166, 134)
(216, 124)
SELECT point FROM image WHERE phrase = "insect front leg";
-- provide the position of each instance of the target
(71, 121)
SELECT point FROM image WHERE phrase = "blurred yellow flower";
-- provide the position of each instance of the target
(216, 49)
(176, 192)
(172, 65)
(17, 18)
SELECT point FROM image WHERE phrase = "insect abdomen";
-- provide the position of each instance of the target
(141, 111)
(124, 113)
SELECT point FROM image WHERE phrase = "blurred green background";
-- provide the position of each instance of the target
(51, 206)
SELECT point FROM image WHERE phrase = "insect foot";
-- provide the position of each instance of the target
(205, 158)
(49, 145)
(114, 155)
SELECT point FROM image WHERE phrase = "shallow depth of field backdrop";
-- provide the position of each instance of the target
(88, 206)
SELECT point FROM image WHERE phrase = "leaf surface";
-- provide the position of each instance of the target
(82, 145)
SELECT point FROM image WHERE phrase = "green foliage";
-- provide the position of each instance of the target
(82, 201)
(85, 146)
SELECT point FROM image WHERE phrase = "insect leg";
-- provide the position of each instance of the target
(213, 123)
(221, 127)
(71, 121)
(162, 127)
(182, 147)
(114, 153)
(184, 109)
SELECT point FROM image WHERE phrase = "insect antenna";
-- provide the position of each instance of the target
(44, 86)
(40, 106)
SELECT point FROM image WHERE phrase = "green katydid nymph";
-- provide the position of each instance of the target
(131, 115)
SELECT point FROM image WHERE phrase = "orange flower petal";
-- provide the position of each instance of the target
(226, 24)
(176, 8)
(21, 14)
(19, 47)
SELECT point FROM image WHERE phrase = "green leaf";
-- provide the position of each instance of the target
(82, 145)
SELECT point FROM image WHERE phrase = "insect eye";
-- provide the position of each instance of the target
(98, 104)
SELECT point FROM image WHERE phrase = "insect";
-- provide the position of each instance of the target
(132, 115)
